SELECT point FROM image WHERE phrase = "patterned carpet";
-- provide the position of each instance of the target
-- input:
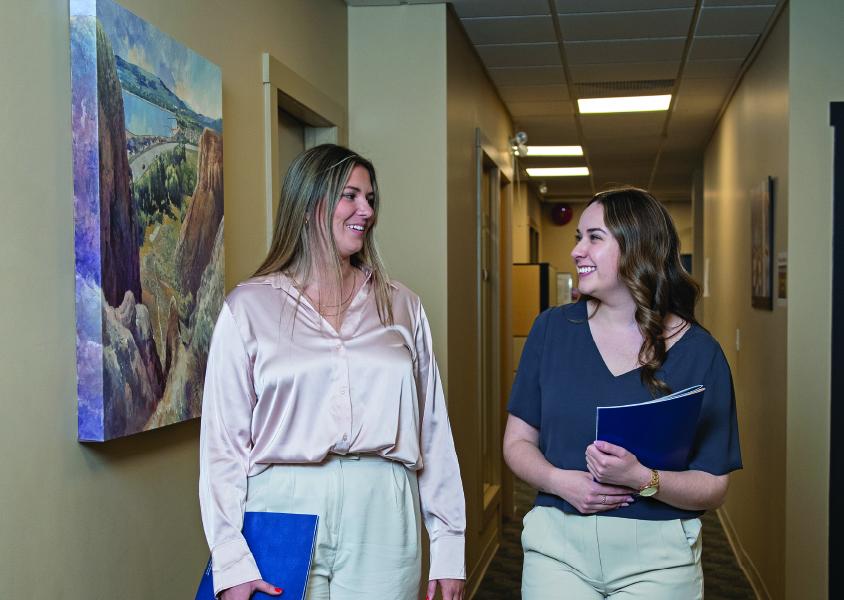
(723, 579)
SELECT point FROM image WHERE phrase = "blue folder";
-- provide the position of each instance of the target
(659, 432)
(282, 544)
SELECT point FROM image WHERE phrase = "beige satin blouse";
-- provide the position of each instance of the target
(282, 386)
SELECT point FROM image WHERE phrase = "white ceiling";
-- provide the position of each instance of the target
(544, 54)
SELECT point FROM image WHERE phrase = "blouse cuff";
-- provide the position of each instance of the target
(448, 558)
(232, 563)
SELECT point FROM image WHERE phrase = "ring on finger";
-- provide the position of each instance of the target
(603, 498)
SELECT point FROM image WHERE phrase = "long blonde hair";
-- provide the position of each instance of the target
(311, 190)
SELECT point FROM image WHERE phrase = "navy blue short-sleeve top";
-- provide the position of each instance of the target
(562, 378)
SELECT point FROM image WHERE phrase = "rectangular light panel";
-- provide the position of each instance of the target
(624, 104)
(557, 171)
(555, 151)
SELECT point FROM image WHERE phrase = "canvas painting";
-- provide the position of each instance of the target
(761, 245)
(148, 209)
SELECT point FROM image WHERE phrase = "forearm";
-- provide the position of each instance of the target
(531, 466)
(692, 490)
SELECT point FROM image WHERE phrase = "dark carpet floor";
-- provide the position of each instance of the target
(723, 579)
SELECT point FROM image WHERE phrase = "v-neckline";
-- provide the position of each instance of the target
(303, 297)
(601, 356)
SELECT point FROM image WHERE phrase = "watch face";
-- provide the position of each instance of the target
(648, 491)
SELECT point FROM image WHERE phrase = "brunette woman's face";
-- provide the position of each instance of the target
(596, 255)
(353, 215)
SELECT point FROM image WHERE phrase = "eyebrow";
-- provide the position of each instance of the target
(357, 189)
(593, 229)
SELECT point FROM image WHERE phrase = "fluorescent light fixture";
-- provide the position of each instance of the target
(555, 151)
(557, 171)
(624, 104)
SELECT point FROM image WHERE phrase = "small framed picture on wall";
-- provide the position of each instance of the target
(761, 244)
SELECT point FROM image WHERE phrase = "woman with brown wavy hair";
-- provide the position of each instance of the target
(604, 524)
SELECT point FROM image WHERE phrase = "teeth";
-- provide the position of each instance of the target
(584, 270)
(357, 227)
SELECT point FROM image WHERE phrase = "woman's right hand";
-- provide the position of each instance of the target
(244, 591)
(590, 497)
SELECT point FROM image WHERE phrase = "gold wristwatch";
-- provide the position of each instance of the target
(651, 487)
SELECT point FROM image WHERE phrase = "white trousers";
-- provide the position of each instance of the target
(580, 557)
(368, 538)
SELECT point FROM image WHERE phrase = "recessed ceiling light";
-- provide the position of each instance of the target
(624, 104)
(555, 151)
(557, 171)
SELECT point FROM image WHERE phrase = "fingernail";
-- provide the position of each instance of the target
(278, 590)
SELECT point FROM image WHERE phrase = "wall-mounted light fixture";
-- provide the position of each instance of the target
(518, 144)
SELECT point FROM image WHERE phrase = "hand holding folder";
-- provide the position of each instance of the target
(659, 432)
(283, 545)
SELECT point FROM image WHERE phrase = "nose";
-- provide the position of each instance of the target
(578, 251)
(364, 209)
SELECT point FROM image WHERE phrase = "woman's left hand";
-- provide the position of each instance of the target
(451, 589)
(614, 465)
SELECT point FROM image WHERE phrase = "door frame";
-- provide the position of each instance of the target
(325, 122)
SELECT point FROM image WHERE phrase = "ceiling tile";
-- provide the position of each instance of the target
(668, 49)
(499, 8)
(624, 71)
(540, 109)
(503, 76)
(589, 6)
(614, 125)
(708, 3)
(722, 47)
(733, 20)
(630, 25)
(510, 30)
(533, 93)
(707, 69)
(519, 55)
(548, 131)
(623, 146)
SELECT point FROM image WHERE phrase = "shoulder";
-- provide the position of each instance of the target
(404, 299)
(563, 317)
(254, 292)
(705, 348)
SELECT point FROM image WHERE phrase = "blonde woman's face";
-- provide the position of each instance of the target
(353, 214)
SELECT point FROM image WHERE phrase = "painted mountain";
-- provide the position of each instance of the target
(148, 207)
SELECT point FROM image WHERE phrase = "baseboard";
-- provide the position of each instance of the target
(743, 559)
(477, 575)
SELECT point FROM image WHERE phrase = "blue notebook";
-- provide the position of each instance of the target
(659, 432)
(282, 544)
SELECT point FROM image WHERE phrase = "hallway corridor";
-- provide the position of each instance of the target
(723, 579)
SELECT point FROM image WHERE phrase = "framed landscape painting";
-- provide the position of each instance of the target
(148, 214)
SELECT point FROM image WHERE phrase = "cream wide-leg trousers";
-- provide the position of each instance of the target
(589, 557)
(368, 538)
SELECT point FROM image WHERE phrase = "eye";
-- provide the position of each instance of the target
(595, 237)
(348, 195)
(578, 237)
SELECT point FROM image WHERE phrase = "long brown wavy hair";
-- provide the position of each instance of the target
(310, 191)
(649, 265)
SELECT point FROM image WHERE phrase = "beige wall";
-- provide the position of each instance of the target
(749, 145)
(115, 520)
(816, 79)
(397, 118)
(472, 103)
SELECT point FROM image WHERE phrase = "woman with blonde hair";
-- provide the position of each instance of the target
(605, 525)
(322, 396)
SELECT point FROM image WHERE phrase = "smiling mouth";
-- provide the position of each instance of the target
(359, 228)
(585, 270)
